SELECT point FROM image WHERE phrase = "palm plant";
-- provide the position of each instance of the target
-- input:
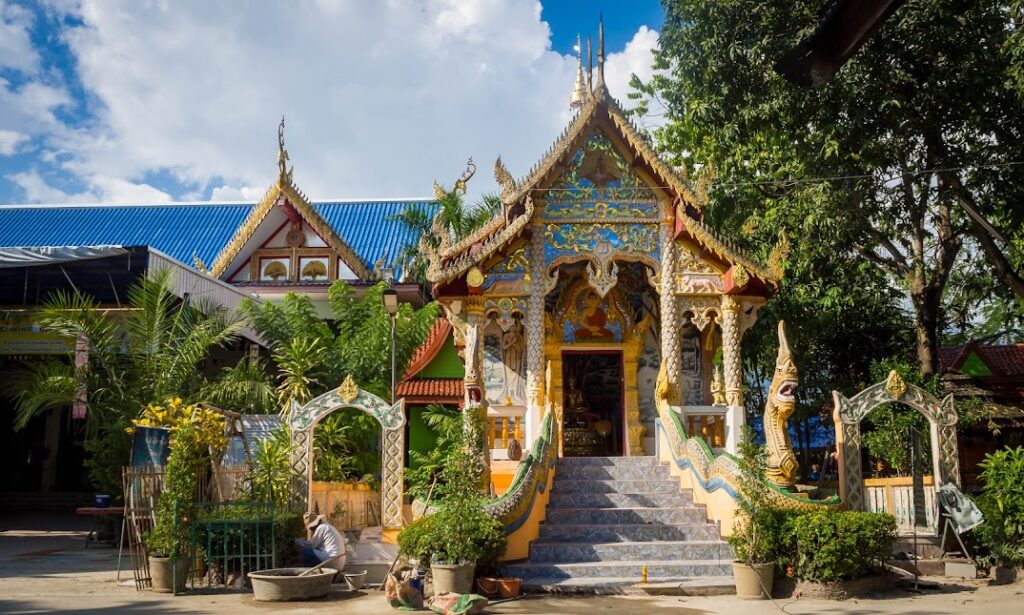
(146, 353)
(457, 219)
(300, 362)
(425, 468)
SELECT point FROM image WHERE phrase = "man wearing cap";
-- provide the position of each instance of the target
(325, 543)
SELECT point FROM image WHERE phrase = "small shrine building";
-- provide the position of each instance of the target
(598, 270)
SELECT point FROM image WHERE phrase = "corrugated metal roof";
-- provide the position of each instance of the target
(176, 230)
(197, 229)
(368, 230)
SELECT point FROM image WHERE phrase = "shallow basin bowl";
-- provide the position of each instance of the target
(278, 584)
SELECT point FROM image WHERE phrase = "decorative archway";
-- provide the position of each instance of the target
(392, 421)
(849, 413)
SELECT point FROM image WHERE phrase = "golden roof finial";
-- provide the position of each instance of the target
(579, 91)
(282, 154)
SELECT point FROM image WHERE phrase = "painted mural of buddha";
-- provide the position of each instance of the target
(593, 320)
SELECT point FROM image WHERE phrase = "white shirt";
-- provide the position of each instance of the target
(327, 539)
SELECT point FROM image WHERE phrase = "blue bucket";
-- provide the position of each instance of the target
(102, 501)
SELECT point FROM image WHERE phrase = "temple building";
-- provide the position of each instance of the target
(598, 271)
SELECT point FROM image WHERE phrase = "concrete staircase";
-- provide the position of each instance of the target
(610, 516)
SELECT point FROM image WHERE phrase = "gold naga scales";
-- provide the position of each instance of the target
(782, 465)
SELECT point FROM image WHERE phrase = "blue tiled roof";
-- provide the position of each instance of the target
(368, 230)
(176, 230)
(186, 230)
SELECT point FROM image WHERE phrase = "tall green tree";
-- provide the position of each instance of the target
(906, 159)
(313, 354)
(152, 351)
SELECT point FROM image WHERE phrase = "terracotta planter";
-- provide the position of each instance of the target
(487, 585)
(166, 578)
(453, 578)
(509, 588)
(753, 582)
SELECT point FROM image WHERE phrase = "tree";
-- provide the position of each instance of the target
(150, 353)
(902, 160)
(313, 354)
(454, 218)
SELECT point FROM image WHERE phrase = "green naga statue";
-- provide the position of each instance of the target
(781, 462)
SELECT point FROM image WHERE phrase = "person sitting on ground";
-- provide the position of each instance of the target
(325, 543)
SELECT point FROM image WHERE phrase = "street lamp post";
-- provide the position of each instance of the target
(390, 299)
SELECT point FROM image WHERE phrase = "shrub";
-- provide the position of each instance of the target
(829, 545)
(756, 533)
(459, 532)
(1002, 502)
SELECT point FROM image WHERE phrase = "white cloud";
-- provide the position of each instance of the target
(243, 193)
(37, 190)
(381, 98)
(16, 51)
(9, 140)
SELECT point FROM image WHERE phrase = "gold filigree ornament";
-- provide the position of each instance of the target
(475, 278)
(740, 277)
(895, 385)
(348, 390)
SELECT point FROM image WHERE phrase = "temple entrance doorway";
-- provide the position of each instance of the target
(593, 417)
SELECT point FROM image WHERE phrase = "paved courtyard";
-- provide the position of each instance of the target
(43, 569)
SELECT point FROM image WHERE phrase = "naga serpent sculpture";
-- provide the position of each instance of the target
(781, 462)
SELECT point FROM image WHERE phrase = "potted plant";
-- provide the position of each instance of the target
(195, 434)
(755, 535)
(459, 536)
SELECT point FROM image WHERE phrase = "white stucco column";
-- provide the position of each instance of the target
(732, 366)
(669, 317)
(534, 326)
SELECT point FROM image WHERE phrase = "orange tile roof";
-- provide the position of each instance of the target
(429, 348)
(439, 390)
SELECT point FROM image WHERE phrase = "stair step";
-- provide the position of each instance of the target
(634, 532)
(576, 552)
(568, 462)
(612, 500)
(619, 472)
(623, 570)
(663, 586)
(633, 515)
(614, 486)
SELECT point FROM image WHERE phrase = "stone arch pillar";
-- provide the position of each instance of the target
(304, 419)
(848, 414)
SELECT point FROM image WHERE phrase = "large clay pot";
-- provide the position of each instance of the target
(163, 574)
(753, 582)
(285, 584)
(515, 450)
(509, 587)
(453, 578)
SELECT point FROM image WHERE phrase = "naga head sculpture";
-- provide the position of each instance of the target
(784, 382)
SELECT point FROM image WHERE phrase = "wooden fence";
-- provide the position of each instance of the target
(142, 488)
(896, 497)
(347, 505)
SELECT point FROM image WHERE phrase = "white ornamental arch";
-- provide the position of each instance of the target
(391, 417)
(848, 414)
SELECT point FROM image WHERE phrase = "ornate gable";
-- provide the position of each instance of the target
(284, 204)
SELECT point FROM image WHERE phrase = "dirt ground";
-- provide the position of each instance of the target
(44, 568)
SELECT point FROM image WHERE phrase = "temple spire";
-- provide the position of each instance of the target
(590, 66)
(282, 154)
(579, 91)
(599, 84)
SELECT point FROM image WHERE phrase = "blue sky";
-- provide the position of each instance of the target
(145, 101)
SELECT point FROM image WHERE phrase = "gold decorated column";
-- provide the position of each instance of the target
(733, 367)
(475, 410)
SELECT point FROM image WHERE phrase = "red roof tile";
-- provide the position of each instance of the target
(429, 348)
(1005, 360)
(447, 390)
